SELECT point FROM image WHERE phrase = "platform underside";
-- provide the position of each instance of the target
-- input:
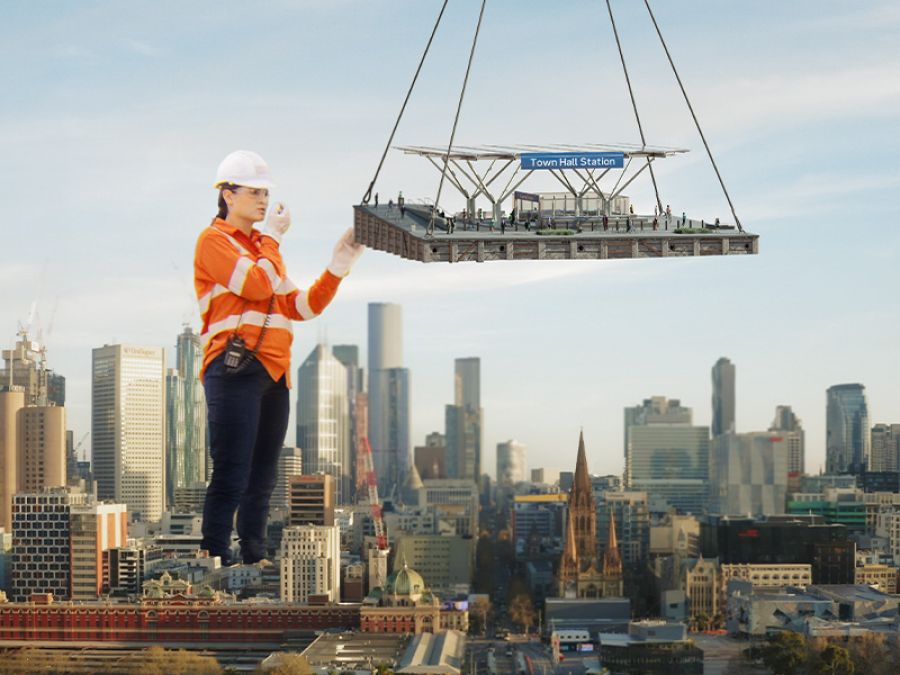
(385, 229)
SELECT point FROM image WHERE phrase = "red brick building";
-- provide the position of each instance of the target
(206, 617)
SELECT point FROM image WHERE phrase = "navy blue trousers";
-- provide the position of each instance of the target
(248, 418)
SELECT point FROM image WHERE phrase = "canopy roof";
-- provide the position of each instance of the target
(512, 152)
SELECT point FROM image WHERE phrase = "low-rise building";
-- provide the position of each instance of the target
(406, 605)
(651, 648)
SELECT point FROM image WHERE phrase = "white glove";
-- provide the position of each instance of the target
(345, 254)
(278, 222)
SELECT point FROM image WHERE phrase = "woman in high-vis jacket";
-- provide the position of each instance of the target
(247, 306)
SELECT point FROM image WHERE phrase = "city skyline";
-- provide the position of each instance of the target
(806, 152)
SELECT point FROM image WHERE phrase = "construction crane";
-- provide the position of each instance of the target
(372, 487)
(78, 445)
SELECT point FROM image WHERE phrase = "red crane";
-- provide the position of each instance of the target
(374, 503)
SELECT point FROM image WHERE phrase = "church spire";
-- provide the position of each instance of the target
(582, 480)
(612, 561)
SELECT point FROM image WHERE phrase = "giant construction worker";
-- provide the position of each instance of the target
(247, 304)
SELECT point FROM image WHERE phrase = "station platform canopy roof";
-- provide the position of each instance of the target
(512, 152)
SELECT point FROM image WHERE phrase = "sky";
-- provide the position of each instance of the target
(117, 114)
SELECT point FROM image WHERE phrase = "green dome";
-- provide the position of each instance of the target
(406, 582)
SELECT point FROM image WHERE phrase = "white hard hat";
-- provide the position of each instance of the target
(244, 168)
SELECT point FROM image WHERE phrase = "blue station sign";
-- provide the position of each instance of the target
(536, 161)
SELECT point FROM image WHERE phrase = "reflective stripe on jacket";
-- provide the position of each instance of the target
(234, 273)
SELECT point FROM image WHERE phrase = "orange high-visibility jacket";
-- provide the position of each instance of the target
(235, 277)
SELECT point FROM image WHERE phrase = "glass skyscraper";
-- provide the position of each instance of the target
(323, 419)
(666, 455)
(389, 397)
(847, 439)
(187, 446)
(128, 427)
(723, 397)
(465, 421)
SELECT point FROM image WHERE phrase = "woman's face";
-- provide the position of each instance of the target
(246, 203)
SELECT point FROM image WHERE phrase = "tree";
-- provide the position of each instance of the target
(872, 655)
(159, 661)
(785, 653)
(521, 610)
(480, 609)
(30, 661)
(702, 621)
(289, 663)
(834, 660)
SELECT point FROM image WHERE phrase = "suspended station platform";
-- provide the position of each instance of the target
(384, 228)
(588, 220)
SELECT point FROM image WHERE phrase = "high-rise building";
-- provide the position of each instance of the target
(885, 448)
(665, 455)
(94, 529)
(749, 474)
(311, 500)
(431, 458)
(465, 421)
(357, 399)
(847, 429)
(323, 419)
(290, 464)
(311, 563)
(187, 449)
(41, 444)
(789, 426)
(456, 501)
(511, 463)
(11, 402)
(41, 560)
(128, 428)
(723, 397)
(388, 397)
(24, 366)
(630, 511)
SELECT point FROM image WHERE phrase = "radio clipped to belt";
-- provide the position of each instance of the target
(237, 355)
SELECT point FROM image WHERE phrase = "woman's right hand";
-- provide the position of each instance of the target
(278, 222)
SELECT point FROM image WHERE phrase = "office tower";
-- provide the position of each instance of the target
(665, 455)
(41, 444)
(311, 500)
(631, 514)
(847, 429)
(788, 425)
(749, 474)
(389, 397)
(465, 421)
(25, 367)
(311, 563)
(128, 428)
(511, 463)
(94, 529)
(348, 355)
(41, 560)
(186, 437)
(723, 397)
(431, 459)
(290, 464)
(885, 448)
(456, 501)
(323, 419)
(11, 402)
